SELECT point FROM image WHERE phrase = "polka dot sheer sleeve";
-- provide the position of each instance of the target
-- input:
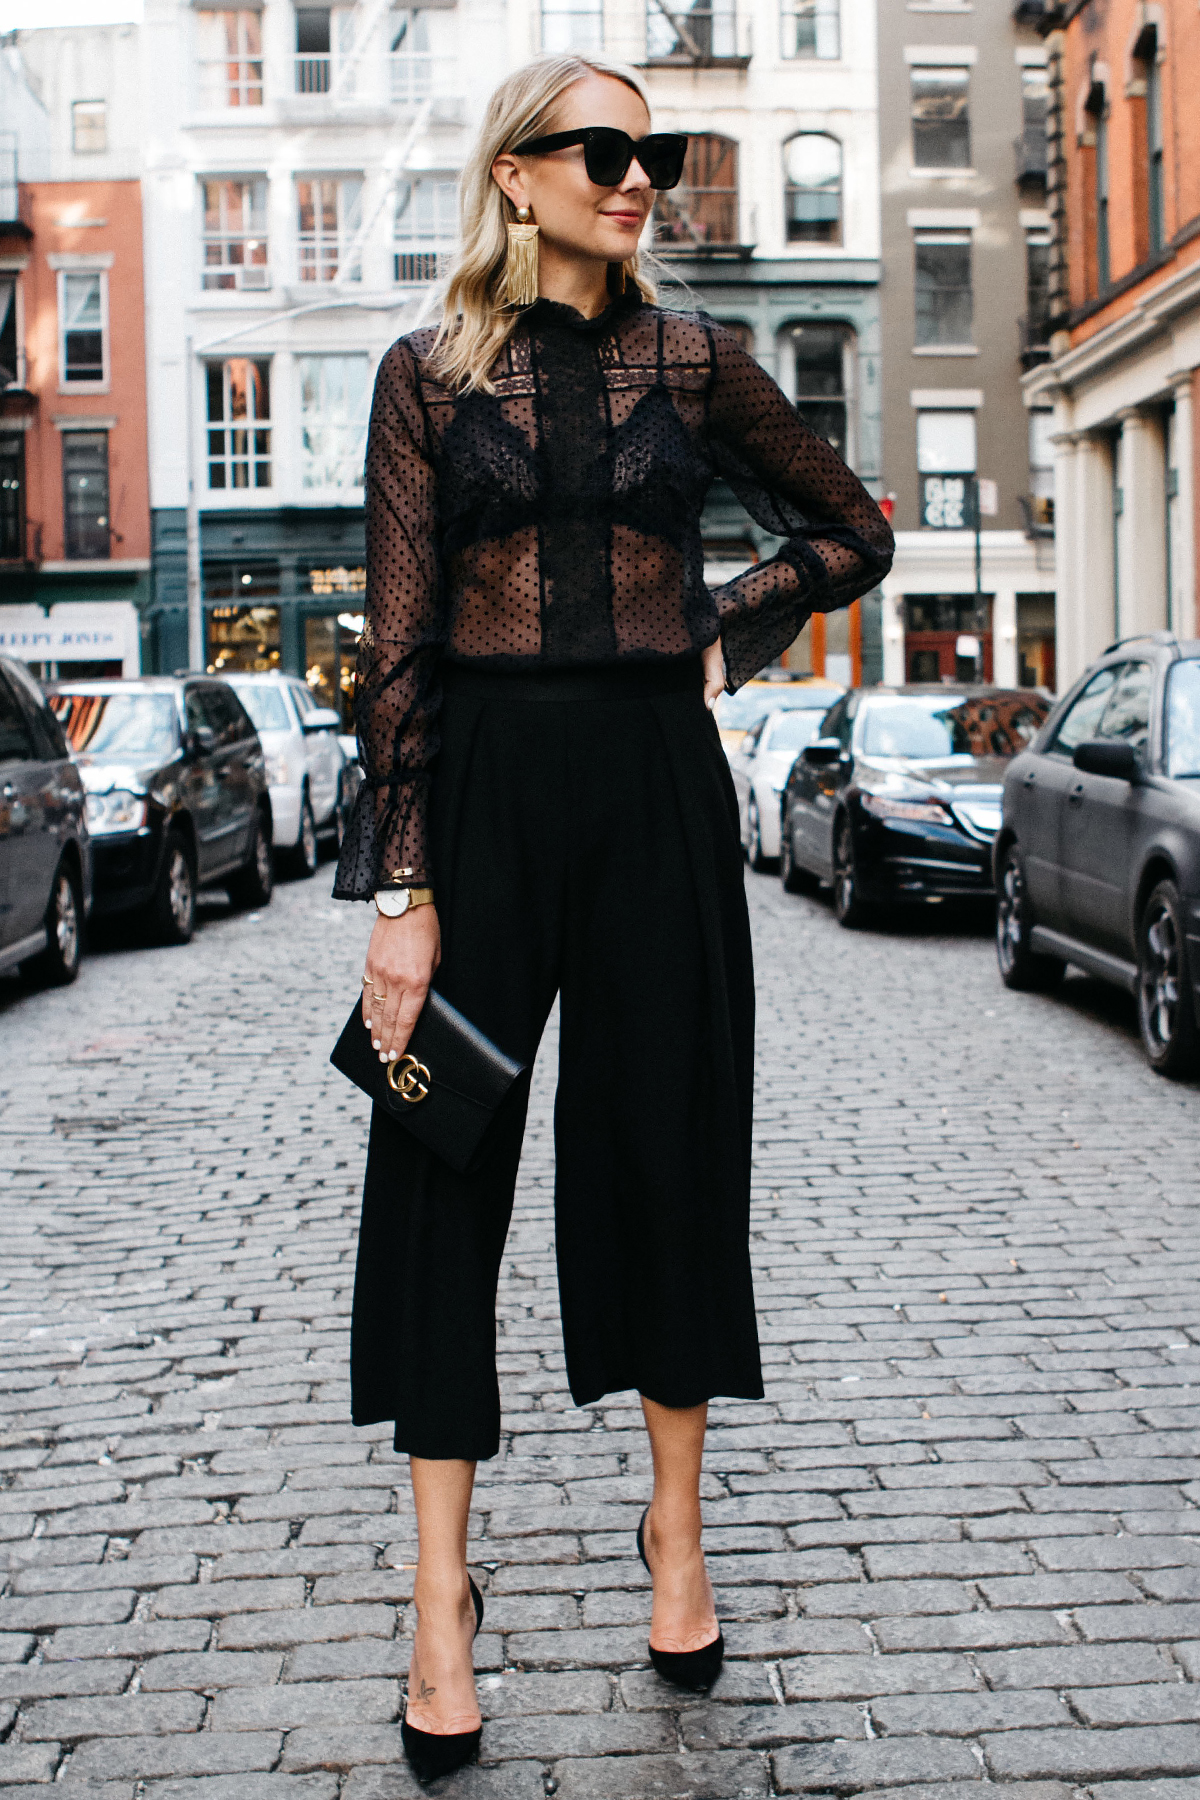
(792, 483)
(396, 687)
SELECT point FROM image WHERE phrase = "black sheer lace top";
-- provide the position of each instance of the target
(556, 522)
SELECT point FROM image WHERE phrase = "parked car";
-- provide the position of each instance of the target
(176, 795)
(45, 854)
(739, 713)
(306, 766)
(760, 766)
(1098, 857)
(898, 800)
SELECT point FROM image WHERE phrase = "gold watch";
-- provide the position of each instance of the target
(394, 902)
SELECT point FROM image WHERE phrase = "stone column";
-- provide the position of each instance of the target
(1142, 528)
(1068, 631)
(1092, 571)
(1004, 638)
(1183, 511)
(893, 636)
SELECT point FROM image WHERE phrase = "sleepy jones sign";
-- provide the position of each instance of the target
(73, 632)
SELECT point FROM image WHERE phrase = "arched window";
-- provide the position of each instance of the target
(702, 212)
(1099, 268)
(812, 193)
(1151, 157)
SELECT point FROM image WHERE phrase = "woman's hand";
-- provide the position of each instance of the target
(714, 674)
(401, 959)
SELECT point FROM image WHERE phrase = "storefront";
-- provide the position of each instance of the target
(281, 590)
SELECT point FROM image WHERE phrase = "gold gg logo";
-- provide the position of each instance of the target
(408, 1078)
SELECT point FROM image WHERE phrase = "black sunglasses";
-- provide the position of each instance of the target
(607, 153)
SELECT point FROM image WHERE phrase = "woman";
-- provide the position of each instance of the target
(536, 668)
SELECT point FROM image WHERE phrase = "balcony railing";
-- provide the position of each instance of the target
(1035, 341)
(314, 74)
(697, 36)
(417, 262)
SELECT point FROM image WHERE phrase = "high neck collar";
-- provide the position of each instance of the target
(545, 312)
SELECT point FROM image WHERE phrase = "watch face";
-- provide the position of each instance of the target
(393, 905)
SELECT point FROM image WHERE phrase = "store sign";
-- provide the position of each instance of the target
(338, 581)
(945, 502)
(73, 631)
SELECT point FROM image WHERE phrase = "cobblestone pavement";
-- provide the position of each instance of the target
(958, 1547)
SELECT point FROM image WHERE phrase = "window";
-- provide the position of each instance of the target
(12, 496)
(313, 45)
(85, 494)
(811, 28)
(426, 228)
(703, 210)
(812, 193)
(946, 464)
(409, 59)
(12, 360)
(15, 745)
(1103, 257)
(1183, 720)
(1035, 112)
(1083, 719)
(82, 329)
(572, 25)
(239, 414)
(330, 223)
(1154, 145)
(699, 33)
(235, 234)
(334, 402)
(1035, 329)
(944, 302)
(230, 56)
(1041, 466)
(941, 130)
(1115, 704)
(89, 127)
(819, 354)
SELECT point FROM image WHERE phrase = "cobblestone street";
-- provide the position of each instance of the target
(958, 1547)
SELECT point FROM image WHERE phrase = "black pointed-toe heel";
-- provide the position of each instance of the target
(432, 1754)
(692, 1669)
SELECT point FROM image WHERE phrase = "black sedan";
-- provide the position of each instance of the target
(45, 856)
(1098, 857)
(898, 800)
(177, 795)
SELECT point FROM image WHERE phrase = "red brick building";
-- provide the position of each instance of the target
(1124, 194)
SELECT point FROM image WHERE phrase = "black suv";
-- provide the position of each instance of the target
(45, 857)
(1098, 857)
(177, 795)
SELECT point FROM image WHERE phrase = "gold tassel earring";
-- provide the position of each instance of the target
(521, 264)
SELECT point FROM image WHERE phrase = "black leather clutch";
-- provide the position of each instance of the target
(445, 1089)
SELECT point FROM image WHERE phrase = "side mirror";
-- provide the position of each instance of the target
(1108, 756)
(822, 753)
(322, 718)
(203, 739)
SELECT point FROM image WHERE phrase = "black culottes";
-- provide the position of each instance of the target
(584, 840)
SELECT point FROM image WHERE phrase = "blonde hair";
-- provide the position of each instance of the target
(476, 323)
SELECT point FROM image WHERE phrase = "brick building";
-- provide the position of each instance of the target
(74, 489)
(1125, 312)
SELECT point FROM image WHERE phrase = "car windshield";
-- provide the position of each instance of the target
(266, 706)
(1183, 721)
(127, 726)
(936, 727)
(793, 729)
(743, 710)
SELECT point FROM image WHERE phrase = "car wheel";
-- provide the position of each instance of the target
(1166, 1012)
(795, 879)
(301, 860)
(172, 912)
(254, 882)
(848, 908)
(58, 963)
(754, 853)
(1020, 968)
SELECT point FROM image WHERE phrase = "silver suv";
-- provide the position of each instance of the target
(306, 766)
